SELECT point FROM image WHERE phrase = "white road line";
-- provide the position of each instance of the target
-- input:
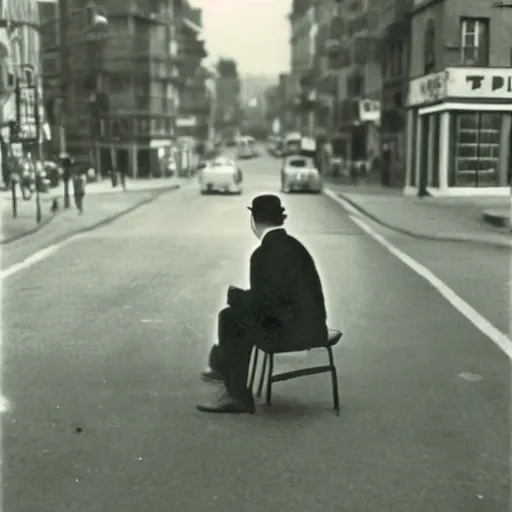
(37, 257)
(4, 404)
(481, 323)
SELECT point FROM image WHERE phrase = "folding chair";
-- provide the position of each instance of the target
(333, 336)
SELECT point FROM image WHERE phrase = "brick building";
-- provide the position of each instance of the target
(459, 105)
(123, 89)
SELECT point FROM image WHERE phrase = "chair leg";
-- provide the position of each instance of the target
(269, 378)
(262, 376)
(334, 377)
(254, 368)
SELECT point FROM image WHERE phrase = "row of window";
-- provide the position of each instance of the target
(474, 51)
(139, 127)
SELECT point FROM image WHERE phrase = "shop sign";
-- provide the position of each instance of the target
(428, 89)
(186, 122)
(480, 83)
(27, 114)
(369, 110)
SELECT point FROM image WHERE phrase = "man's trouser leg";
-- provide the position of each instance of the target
(236, 335)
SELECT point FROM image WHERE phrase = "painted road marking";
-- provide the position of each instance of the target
(38, 256)
(4, 404)
(470, 377)
(481, 323)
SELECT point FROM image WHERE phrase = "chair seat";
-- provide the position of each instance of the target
(333, 337)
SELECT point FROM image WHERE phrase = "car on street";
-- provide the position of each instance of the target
(275, 146)
(220, 175)
(299, 174)
(246, 148)
(291, 144)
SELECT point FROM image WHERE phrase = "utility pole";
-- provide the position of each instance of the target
(64, 83)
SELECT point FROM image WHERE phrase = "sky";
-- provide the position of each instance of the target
(253, 32)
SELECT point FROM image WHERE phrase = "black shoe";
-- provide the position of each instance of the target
(212, 376)
(228, 404)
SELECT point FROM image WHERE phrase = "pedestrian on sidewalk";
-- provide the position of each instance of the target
(284, 306)
(79, 183)
(122, 177)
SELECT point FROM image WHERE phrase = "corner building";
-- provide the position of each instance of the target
(459, 104)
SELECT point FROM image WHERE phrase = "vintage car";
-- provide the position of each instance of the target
(220, 175)
(246, 148)
(291, 144)
(299, 172)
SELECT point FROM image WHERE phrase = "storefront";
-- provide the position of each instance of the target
(459, 133)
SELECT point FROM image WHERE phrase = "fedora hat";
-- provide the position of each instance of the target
(267, 206)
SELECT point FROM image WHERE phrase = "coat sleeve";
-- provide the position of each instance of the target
(266, 287)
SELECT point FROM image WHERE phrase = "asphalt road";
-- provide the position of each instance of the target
(103, 342)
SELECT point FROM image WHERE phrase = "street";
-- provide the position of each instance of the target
(104, 339)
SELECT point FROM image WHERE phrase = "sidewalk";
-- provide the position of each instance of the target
(105, 186)
(102, 202)
(450, 219)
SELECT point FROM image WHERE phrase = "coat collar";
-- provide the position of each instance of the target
(272, 230)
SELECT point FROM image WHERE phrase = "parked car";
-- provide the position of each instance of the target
(220, 175)
(299, 174)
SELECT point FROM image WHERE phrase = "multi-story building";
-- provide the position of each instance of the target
(303, 71)
(359, 81)
(195, 105)
(228, 91)
(21, 87)
(459, 105)
(332, 58)
(286, 102)
(394, 35)
(123, 89)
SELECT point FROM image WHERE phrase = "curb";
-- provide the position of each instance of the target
(35, 229)
(344, 201)
(496, 218)
(98, 224)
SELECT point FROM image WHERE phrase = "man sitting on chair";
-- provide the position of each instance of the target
(284, 307)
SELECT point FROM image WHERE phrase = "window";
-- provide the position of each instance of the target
(395, 67)
(477, 149)
(143, 126)
(475, 42)
(429, 53)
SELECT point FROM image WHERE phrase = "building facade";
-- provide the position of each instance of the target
(195, 102)
(20, 79)
(394, 34)
(359, 82)
(459, 104)
(123, 87)
(228, 113)
(303, 69)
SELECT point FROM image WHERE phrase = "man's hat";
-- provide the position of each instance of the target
(267, 206)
